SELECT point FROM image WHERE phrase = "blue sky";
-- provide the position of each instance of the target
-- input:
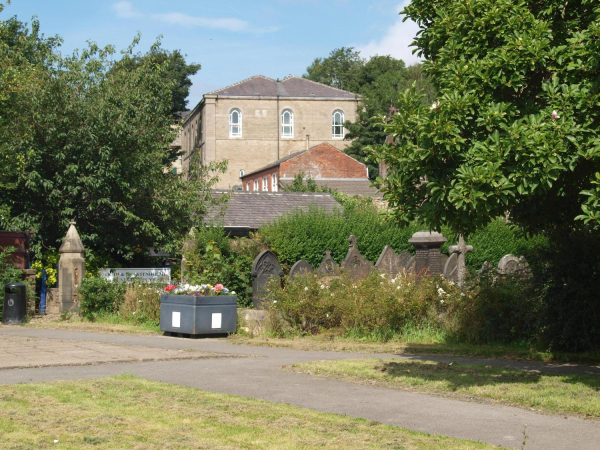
(232, 39)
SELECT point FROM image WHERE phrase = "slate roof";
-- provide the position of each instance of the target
(251, 210)
(291, 86)
(350, 186)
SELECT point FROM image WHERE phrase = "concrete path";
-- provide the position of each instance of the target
(256, 372)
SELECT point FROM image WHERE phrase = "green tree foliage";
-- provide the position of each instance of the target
(176, 69)
(81, 141)
(378, 80)
(298, 185)
(515, 127)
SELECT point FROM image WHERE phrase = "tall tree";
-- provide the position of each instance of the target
(176, 69)
(340, 69)
(85, 142)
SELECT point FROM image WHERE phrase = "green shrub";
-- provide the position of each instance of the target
(98, 295)
(307, 234)
(374, 306)
(212, 257)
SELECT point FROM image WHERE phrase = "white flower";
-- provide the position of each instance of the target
(398, 287)
(332, 295)
(327, 315)
(56, 441)
(435, 105)
(441, 292)
(555, 115)
(274, 301)
(442, 301)
(354, 286)
(306, 288)
(393, 280)
(322, 286)
(382, 275)
(462, 294)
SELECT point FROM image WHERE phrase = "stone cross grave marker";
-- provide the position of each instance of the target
(265, 268)
(389, 262)
(356, 265)
(461, 251)
(328, 267)
(300, 268)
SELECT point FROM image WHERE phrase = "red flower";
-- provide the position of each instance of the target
(170, 287)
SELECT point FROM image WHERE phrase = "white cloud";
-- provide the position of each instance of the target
(125, 10)
(228, 23)
(395, 42)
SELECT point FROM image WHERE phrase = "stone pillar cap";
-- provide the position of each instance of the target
(427, 238)
(72, 242)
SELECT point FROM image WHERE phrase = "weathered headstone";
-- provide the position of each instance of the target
(486, 269)
(451, 268)
(427, 247)
(71, 270)
(511, 265)
(356, 265)
(328, 267)
(389, 262)
(410, 264)
(265, 268)
(300, 268)
(461, 251)
(404, 258)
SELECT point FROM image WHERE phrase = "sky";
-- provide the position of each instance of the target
(233, 39)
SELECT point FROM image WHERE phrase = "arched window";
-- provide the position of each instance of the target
(287, 123)
(337, 124)
(235, 123)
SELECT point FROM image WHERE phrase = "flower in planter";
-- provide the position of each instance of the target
(198, 290)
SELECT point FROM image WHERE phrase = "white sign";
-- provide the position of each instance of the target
(150, 274)
(176, 320)
(216, 320)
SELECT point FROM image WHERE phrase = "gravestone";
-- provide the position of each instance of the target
(511, 265)
(404, 258)
(356, 265)
(389, 262)
(427, 248)
(486, 269)
(265, 268)
(461, 250)
(451, 268)
(328, 267)
(410, 264)
(300, 268)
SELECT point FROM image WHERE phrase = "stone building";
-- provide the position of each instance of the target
(260, 120)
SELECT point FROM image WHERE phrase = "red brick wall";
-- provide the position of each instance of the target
(258, 176)
(323, 161)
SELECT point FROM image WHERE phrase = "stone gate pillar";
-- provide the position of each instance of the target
(428, 257)
(71, 270)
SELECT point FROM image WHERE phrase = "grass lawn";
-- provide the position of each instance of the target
(109, 323)
(554, 394)
(336, 343)
(129, 412)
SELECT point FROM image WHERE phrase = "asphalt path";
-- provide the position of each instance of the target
(256, 372)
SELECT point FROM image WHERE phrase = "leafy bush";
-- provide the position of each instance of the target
(374, 306)
(98, 295)
(307, 234)
(212, 257)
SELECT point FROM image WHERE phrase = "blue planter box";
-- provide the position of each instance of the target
(188, 314)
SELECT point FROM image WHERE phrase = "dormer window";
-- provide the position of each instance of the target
(287, 123)
(337, 124)
(235, 123)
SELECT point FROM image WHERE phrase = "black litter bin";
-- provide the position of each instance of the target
(15, 304)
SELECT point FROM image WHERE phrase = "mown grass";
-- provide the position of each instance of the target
(104, 323)
(129, 412)
(554, 394)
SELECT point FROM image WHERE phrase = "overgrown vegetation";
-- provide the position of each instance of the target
(8, 272)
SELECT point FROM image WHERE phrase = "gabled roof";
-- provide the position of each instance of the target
(251, 210)
(291, 86)
(275, 163)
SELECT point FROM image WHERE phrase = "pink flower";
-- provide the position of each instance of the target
(170, 287)
(555, 115)
(218, 287)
